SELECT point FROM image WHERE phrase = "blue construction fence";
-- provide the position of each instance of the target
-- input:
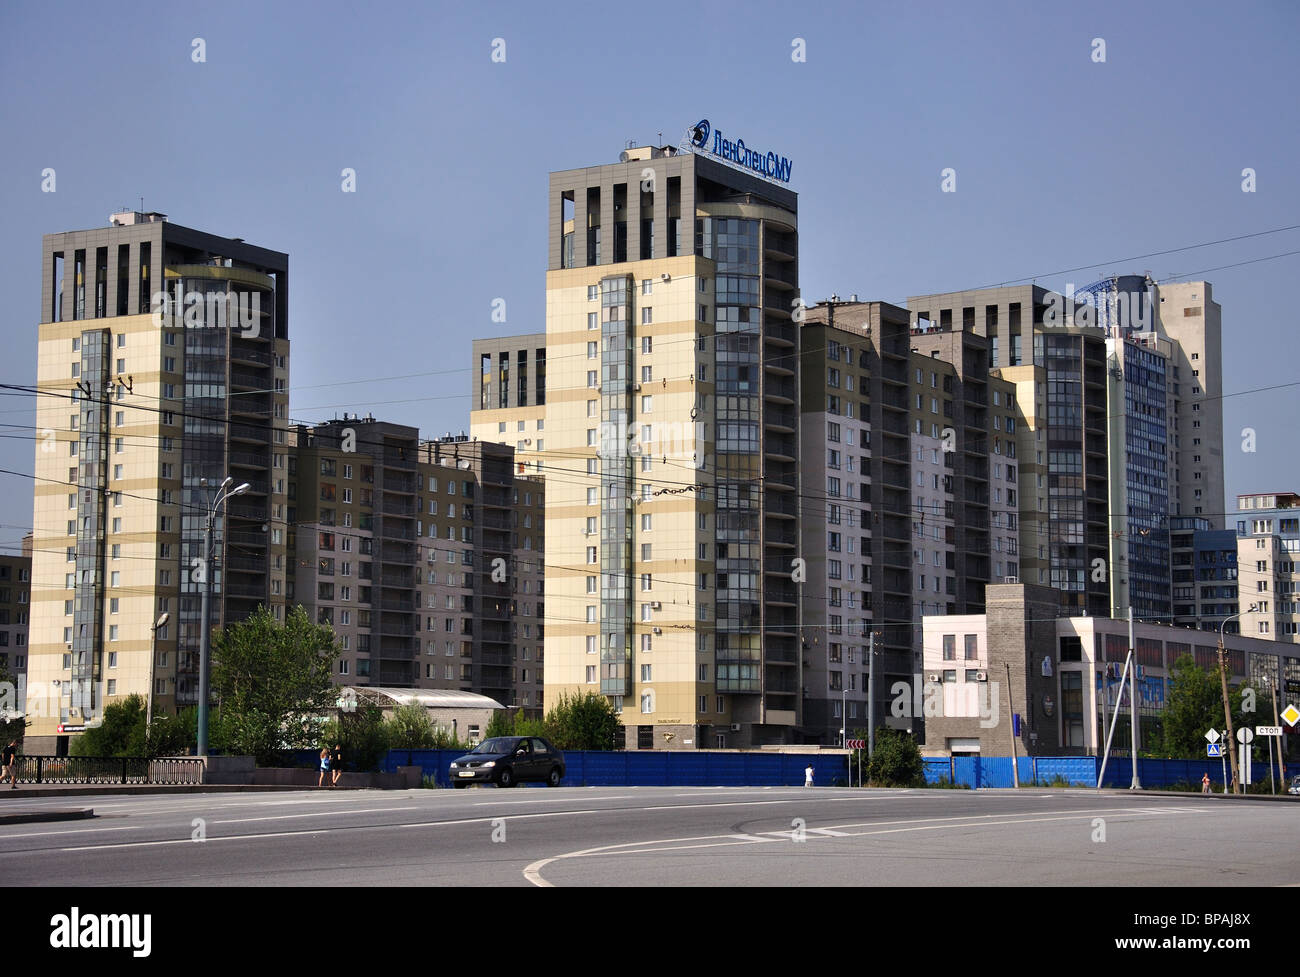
(658, 768)
(994, 771)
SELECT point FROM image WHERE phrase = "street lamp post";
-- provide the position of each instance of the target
(1227, 711)
(224, 494)
(153, 660)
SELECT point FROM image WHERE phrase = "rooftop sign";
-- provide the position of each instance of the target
(768, 165)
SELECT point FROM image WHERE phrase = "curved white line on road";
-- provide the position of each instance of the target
(533, 872)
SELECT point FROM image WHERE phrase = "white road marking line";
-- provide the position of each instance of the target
(74, 831)
(547, 800)
(533, 871)
(315, 814)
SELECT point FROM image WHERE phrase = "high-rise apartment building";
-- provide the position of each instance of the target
(1187, 315)
(872, 339)
(163, 369)
(510, 395)
(1109, 393)
(836, 527)
(671, 445)
(15, 620)
(1205, 574)
(425, 557)
(1137, 418)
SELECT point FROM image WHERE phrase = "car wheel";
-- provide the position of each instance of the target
(506, 778)
(554, 777)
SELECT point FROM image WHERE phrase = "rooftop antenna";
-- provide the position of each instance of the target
(142, 205)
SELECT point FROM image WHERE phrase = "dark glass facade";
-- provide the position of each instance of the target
(616, 503)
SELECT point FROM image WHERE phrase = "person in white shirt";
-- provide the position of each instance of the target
(808, 776)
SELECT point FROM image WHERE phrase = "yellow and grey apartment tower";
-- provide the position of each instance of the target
(162, 369)
(669, 446)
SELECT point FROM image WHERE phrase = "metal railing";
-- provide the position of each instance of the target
(40, 769)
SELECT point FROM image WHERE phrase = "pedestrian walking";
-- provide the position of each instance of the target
(808, 776)
(324, 765)
(10, 766)
(1205, 784)
(336, 764)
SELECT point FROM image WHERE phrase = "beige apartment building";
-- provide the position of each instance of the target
(146, 405)
(666, 438)
(1268, 551)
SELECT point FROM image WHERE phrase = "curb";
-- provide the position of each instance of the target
(30, 816)
(105, 789)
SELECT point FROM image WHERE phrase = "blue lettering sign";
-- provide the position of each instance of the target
(769, 165)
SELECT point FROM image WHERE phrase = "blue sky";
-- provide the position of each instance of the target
(1060, 162)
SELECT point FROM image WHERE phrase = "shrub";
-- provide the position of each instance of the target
(896, 761)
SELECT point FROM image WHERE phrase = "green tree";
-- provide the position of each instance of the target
(1194, 701)
(408, 728)
(501, 724)
(445, 739)
(12, 725)
(363, 734)
(1194, 705)
(121, 734)
(581, 722)
(896, 761)
(273, 682)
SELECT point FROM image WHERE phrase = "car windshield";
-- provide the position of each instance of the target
(498, 744)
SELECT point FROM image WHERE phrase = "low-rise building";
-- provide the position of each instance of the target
(1061, 676)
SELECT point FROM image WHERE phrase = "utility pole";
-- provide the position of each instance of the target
(224, 494)
(1227, 711)
(1011, 725)
(153, 659)
(1281, 773)
(1136, 783)
(871, 693)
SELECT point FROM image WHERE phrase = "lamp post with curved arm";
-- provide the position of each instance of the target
(223, 495)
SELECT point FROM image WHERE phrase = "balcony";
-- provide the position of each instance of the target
(775, 593)
(249, 381)
(247, 459)
(779, 391)
(246, 564)
(239, 353)
(407, 483)
(779, 333)
(781, 447)
(781, 505)
(238, 588)
(248, 432)
(782, 420)
(781, 537)
(396, 528)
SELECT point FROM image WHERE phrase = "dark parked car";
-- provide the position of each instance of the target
(506, 760)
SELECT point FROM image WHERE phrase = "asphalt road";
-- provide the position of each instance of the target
(657, 836)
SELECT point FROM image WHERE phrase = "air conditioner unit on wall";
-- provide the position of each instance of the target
(981, 676)
(933, 677)
(735, 727)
